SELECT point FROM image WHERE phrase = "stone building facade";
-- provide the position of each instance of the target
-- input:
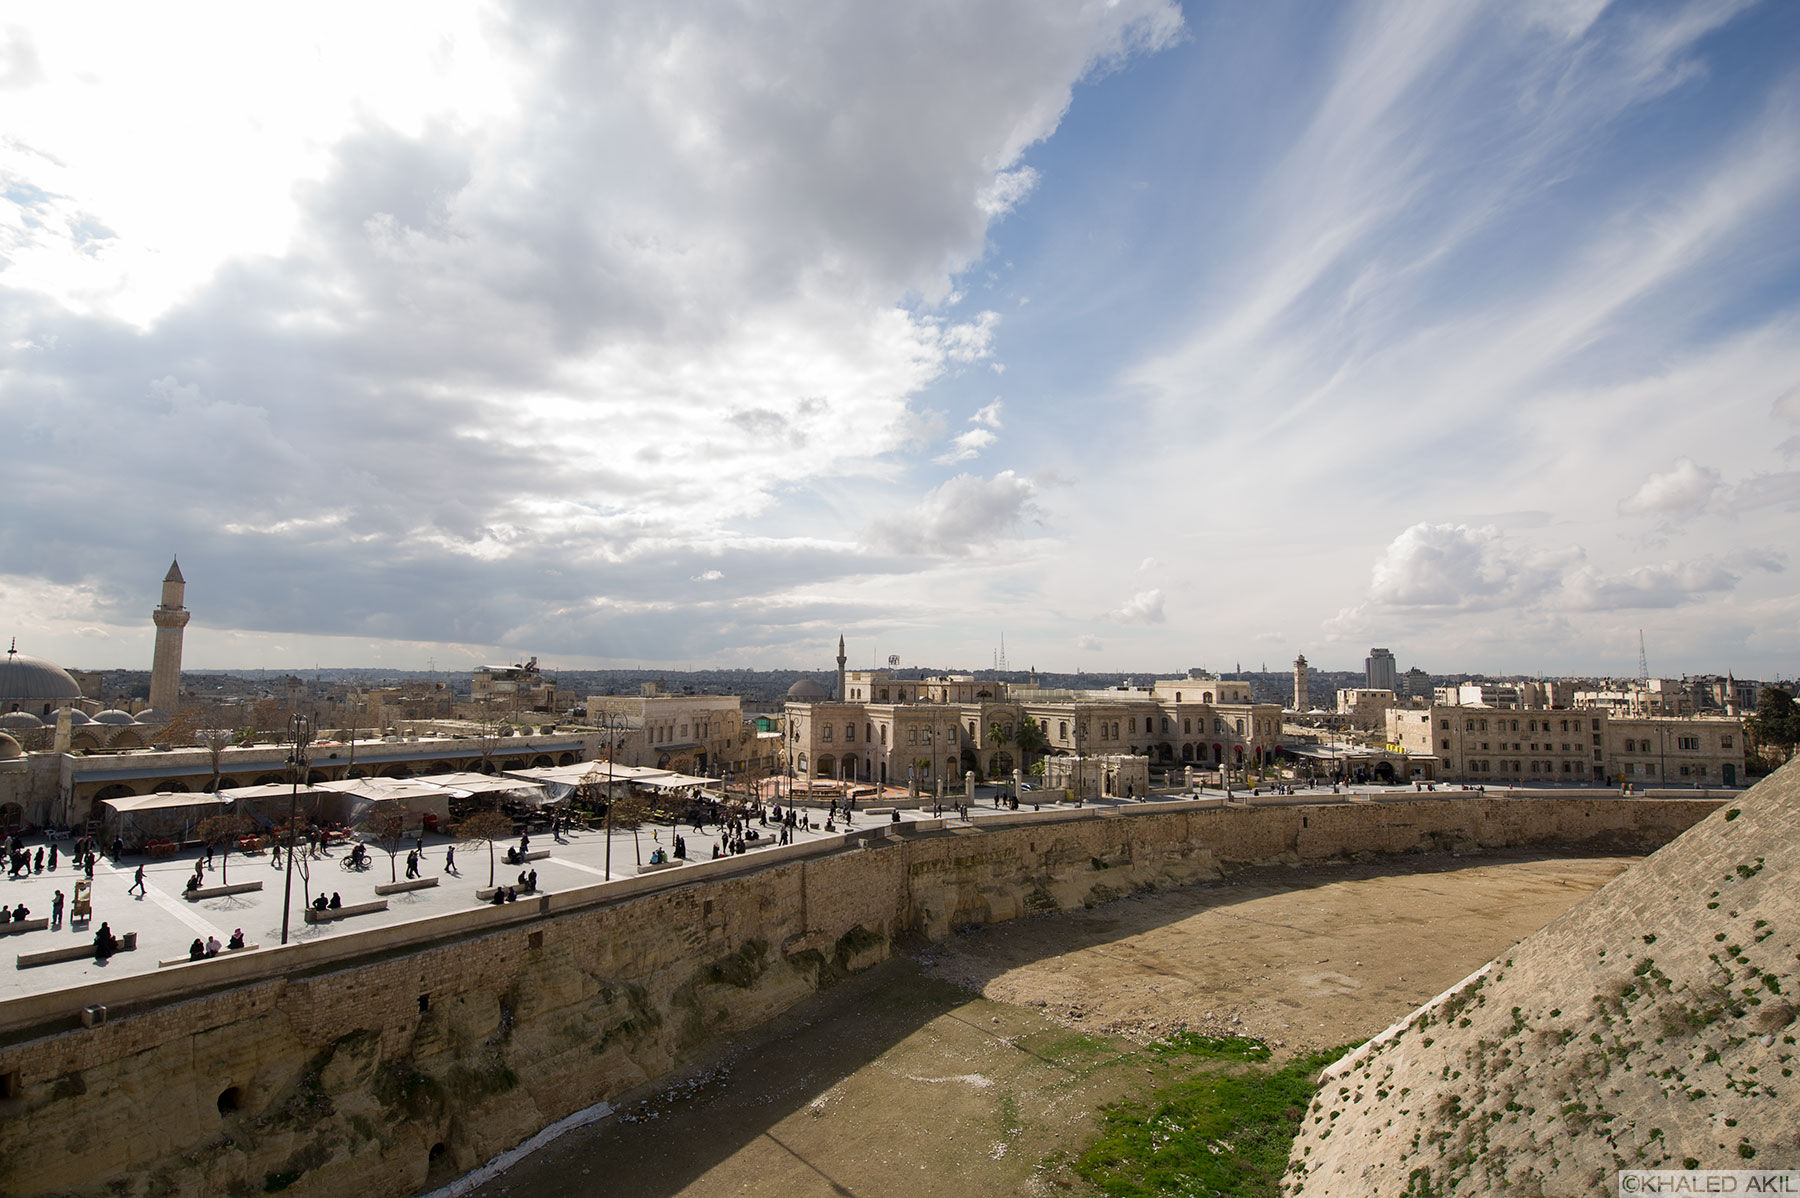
(1508, 746)
(889, 729)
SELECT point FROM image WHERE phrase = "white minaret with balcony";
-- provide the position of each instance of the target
(165, 667)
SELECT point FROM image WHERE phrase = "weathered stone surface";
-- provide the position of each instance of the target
(1653, 1026)
(408, 1067)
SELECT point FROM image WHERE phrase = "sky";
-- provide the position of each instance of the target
(1137, 335)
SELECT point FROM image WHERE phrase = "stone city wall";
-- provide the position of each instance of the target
(396, 1060)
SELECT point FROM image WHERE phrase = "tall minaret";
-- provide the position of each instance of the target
(1301, 700)
(165, 667)
(841, 659)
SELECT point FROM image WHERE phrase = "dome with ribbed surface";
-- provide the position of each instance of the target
(114, 716)
(20, 721)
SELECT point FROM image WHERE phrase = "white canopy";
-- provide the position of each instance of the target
(204, 804)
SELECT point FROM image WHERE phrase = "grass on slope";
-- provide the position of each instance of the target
(1225, 1129)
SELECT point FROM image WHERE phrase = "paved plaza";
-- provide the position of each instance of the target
(166, 924)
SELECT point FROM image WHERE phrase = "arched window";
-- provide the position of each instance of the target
(1165, 721)
(868, 733)
(1207, 697)
(884, 734)
(1062, 730)
(1240, 727)
(1178, 696)
(971, 729)
(1187, 724)
(850, 732)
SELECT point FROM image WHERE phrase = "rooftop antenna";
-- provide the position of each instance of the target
(1643, 661)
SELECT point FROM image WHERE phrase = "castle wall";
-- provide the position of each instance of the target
(382, 1063)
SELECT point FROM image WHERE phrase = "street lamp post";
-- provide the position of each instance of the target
(299, 736)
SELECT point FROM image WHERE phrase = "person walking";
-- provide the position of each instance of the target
(56, 910)
(137, 883)
(450, 860)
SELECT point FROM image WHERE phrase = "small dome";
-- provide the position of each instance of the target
(806, 690)
(151, 715)
(77, 717)
(22, 721)
(9, 748)
(33, 681)
(114, 716)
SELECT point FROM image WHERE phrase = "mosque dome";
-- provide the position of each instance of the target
(151, 715)
(77, 717)
(807, 690)
(33, 684)
(20, 721)
(9, 748)
(114, 716)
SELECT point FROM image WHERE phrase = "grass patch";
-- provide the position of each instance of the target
(1225, 1131)
(1215, 1048)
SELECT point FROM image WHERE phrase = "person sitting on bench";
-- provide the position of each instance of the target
(196, 950)
(321, 903)
(336, 902)
(237, 940)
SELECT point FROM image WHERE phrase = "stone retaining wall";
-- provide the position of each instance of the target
(381, 1063)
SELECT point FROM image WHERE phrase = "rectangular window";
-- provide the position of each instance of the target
(1689, 742)
(1725, 741)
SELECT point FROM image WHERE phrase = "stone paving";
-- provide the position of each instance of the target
(166, 923)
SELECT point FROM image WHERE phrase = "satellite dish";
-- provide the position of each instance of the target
(893, 660)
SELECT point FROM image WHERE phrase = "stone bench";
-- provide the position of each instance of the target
(15, 926)
(224, 952)
(486, 893)
(75, 952)
(522, 858)
(206, 892)
(651, 868)
(344, 912)
(409, 884)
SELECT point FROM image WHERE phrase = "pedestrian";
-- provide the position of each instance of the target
(52, 858)
(450, 860)
(90, 869)
(37, 865)
(531, 879)
(56, 910)
(275, 856)
(412, 864)
(137, 883)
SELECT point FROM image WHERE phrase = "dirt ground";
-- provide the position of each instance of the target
(964, 1070)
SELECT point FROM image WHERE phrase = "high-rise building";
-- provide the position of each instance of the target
(1417, 684)
(1381, 671)
(165, 665)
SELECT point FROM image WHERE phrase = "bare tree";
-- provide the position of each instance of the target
(223, 830)
(215, 741)
(485, 827)
(388, 831)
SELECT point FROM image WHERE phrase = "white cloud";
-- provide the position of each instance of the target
(1088, 643)
(1452, 568)
(971, 442)
(1680, 492)
(963, 515)
(708, 576)
(1145, 607)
